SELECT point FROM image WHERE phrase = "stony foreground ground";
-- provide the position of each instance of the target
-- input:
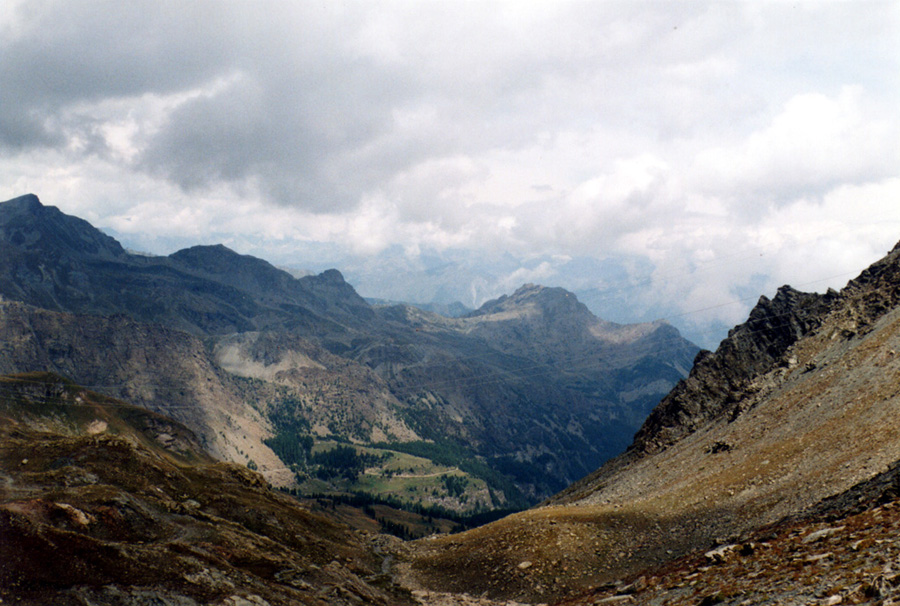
(855, 560)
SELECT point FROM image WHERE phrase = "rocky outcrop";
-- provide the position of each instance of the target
(718, 382)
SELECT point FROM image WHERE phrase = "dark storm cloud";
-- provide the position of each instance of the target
(311, 105)
(63, 55)
(314, 138)
(281, 96)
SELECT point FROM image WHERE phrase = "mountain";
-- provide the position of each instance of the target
(62, 263)
(450, 310)
(770, 475)
(790, 427)
(522, 396)
(105, 503)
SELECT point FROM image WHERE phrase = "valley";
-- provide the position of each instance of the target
(523, 396)
(252, 438)
(763, 430)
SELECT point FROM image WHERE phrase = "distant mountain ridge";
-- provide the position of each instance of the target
(62, 263)
(532, 387)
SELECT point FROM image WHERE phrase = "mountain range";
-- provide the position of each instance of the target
(770, 474)
(525, 395)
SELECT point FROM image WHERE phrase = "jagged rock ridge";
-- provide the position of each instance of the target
(719, 381)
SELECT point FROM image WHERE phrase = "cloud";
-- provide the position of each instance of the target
(813, 144)
(704, 145)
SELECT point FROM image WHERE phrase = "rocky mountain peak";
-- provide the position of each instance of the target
(28, 224)
(245, 272)
(533, 299)
(332, 276)
(29, 203)
(336, 294)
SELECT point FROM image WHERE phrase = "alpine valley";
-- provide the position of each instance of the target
(320, 391)
(150, 404)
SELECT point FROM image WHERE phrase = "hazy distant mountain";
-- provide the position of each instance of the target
(606, 287)
(450, 310)
(528, 393)
(778, 449)
(62, 263)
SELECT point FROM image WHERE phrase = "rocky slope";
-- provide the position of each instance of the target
(796, 407)
(175, 373)
(848, 559)
(108, 504)
(531, 392)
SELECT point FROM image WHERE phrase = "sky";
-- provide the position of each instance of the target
(662, 159)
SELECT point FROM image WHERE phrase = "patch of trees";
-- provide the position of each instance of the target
(365, 501)
(397, 529)
(291, 448)
(343, 462)
(287, 416)
(455, 485)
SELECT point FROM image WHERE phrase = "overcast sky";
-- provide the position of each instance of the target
(718, 148)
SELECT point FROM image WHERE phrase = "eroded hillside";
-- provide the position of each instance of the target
(108, 504)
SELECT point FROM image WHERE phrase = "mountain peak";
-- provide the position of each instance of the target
(28, 203)
(30, 225)
(548, 301)
(332, 276)
(205, 254)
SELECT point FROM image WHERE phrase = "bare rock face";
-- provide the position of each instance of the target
(719, 381)
(164, 370)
